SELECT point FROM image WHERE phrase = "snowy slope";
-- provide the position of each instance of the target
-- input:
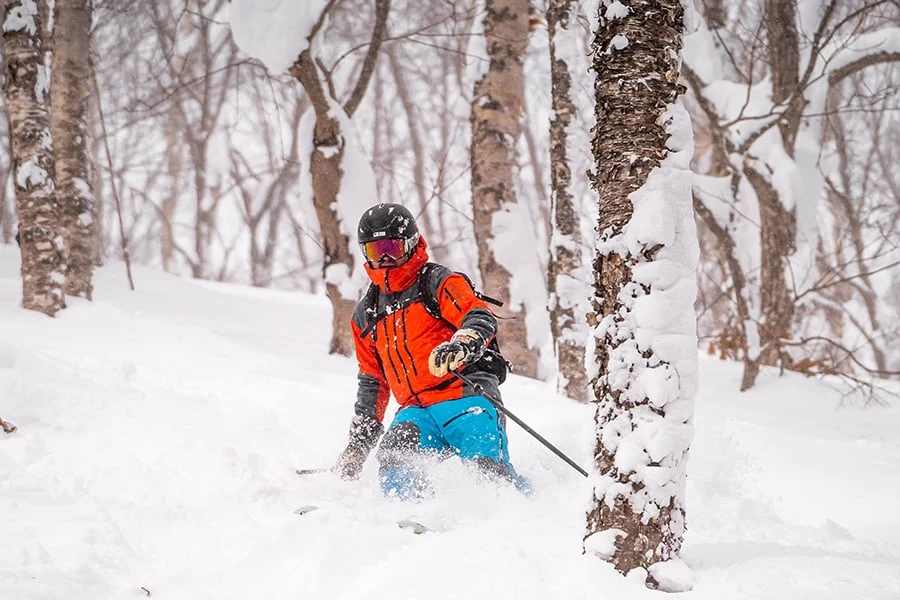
(159, 430)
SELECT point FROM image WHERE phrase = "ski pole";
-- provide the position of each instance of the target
(500, 408)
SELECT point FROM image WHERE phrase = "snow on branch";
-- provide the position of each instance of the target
(276, 31)
(870, 49)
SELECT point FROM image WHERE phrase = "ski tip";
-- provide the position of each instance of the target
(414, 526)
(311, 471)
(306, 509)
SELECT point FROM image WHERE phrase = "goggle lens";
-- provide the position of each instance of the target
(393, 248)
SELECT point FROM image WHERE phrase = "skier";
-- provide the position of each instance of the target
(417, 324)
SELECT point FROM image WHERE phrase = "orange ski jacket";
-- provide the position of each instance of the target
(393, 354)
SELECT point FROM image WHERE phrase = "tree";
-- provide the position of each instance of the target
(198, 53)
(325, 166)
(644, 287)
(70, 90)
(764, 95)
(497, 105)
(566, 277)
(28, 107)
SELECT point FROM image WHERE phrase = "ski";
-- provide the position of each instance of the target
(312, 471)
(414, 526)
(304, 510)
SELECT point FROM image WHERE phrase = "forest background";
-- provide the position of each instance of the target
(202, 150)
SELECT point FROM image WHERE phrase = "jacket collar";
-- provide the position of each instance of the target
(397, 279)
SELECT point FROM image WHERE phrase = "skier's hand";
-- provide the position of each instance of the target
(464, 347)
(364, 434)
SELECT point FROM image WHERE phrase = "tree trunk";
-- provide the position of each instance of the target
(6, 213)
(569, 335)
(96, 160)
(70, 90)
(777, 232)
(647, 362)
(496, 113)
(325, 167)
(28, 105)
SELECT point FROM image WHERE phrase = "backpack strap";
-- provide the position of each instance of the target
(370, 315)
(424, 290)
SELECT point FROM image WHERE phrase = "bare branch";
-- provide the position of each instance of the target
(382, 8)
(849, 353)
(868, 60)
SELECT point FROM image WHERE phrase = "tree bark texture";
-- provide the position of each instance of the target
(28, 106)
(496, 113)
(637, 62)
(565, 258)
(69, 117)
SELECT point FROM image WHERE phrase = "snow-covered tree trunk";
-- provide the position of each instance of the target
(70, 88)
(644, 281)
(325, 163)
(28, 106)
(566, 281)
(497, 105)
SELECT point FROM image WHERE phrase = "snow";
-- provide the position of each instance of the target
(673, 575)
(274, 31)
(602, 544)
(619, 42)
(616, 10)
(22, 17)
(159, 430)
(42, 84)
(30, 174)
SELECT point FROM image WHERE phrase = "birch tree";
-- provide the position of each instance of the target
(497, 105)
(566, 271)
(28, 107)
(644, 288)
(70, 89)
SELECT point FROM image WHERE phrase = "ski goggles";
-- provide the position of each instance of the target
(390, 247)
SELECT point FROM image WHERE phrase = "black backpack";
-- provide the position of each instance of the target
(491, 360)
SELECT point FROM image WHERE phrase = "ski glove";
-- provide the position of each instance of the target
(364, 434)
(464, 347)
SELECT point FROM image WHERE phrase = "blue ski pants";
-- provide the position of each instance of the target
(468, 428)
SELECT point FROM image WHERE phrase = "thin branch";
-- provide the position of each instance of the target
(846, 279)
(869, 60)
(849, 353)
(112, 180)
(382, 8)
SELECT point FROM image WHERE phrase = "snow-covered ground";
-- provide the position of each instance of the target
(159, 432)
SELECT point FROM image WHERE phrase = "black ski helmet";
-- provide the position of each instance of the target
(387, 221)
